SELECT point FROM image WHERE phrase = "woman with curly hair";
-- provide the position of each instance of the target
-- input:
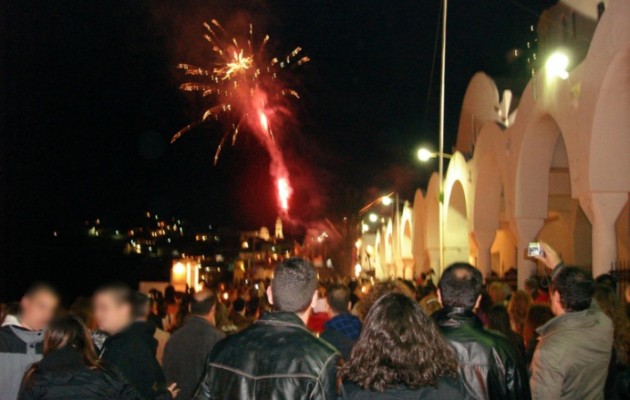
(618, 381)
(401, 355)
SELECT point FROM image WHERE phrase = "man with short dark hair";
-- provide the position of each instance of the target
(573, 353)
(277, 358)
(130, 346)
(21, 342)
(343, 329)
(488, 362)
(187, 350)
(142, 311)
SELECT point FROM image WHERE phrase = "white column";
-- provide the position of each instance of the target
(484, 241)
(603, 211)
(527, 230)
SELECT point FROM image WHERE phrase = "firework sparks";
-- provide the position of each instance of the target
(246, 90)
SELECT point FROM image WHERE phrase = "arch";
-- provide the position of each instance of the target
(432, 226)
(609, 162)
(480, 105)
(379, 255)
(419, 233)
(488, 188)
(389, 248)
(532, 169)
(456, 244)
(406, 247)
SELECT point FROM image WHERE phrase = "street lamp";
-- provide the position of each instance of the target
(373, 217)
(425, 155)
(386, 200)
(556, 65)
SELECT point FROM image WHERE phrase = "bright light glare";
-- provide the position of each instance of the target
(365, 228)
(386, 200)
(425, 155)
(373, 217)
(557, 65)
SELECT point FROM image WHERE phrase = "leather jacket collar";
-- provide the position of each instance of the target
(281, 318)
(454, 317)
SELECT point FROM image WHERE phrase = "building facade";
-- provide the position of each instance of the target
(554, 169)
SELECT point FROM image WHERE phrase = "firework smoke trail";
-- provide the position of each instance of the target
(247, 91)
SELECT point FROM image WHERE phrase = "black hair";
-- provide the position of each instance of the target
(460, 286)
(576, 288)
(39, 287)
(532, 283)
(338, 298)
(608, 280)
(202, 303)
(121, 292)
(141, 305)
(293, 285)
(238, 305)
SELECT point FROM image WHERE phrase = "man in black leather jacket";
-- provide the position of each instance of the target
(488, 363)
(277, 357)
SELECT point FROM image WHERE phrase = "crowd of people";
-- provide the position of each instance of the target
(567, 337)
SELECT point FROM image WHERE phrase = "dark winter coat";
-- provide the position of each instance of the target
(63, 375)
(132, 352)
(186, 353)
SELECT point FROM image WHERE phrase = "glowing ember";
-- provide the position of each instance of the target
(247, 89)
(263, 121)
(284, 193)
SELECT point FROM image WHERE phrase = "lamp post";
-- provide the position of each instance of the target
(441, 130)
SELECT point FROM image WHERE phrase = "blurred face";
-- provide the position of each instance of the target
(111, 316)
(38, 309)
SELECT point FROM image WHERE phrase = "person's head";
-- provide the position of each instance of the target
(338, 299)
(572, 290)
(531, 284)
(499, 319)
(38, 306)
(538, 315)
(203, 304)
(169, 294)
(294, 285)
(460, 286)
(66, 331)
(399, 345)
(113, 307)
(518, 307)
(141, 306)
(239, 305)
(497, 292)
(69, 330)
(608, 280)
(376, 292)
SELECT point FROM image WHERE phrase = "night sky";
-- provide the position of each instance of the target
(90, 100)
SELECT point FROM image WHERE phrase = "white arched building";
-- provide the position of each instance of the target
(555, 169)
